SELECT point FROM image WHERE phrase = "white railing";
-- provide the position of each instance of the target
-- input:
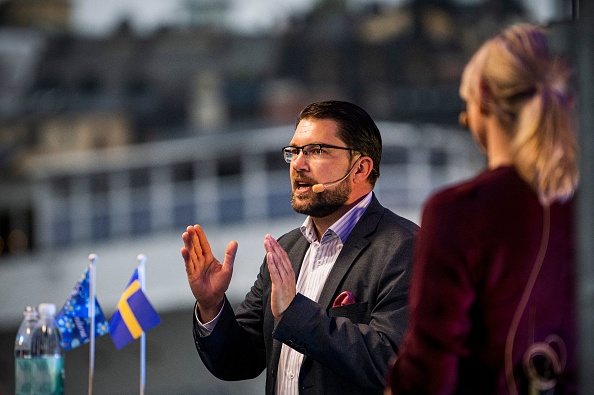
(139, 199)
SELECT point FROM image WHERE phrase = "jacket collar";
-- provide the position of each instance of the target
(354, 245)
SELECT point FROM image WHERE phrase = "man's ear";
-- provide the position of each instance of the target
(363, 168)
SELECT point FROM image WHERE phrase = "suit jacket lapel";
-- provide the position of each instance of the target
(297, 246)
(297, 253)
(355, 244)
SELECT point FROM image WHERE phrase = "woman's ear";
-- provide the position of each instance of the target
(484, 97)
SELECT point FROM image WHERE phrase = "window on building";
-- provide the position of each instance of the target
(139, 178)
(229, 166)
(275, 161)
(395, 155)
(183, 172)
(438, 157)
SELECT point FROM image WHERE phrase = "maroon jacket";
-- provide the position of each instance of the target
(475, 251)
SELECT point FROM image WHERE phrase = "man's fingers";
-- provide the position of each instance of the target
(272, 268)
(190, 268)
(203, 241)
(192, 245)
(185, 254)
(230, 253)
(197, 246)
(272, 245)
(281, 259)
(188, 252)
(271, 259)
(187, 239)
(276, 248)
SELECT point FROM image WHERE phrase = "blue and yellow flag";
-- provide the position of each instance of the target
(74, 321)
(134, 314)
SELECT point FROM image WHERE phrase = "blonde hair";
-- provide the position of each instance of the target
(527, 89)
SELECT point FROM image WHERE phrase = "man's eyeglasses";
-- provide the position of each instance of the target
(312, 151)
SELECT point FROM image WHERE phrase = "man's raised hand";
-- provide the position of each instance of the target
(207, 277)
(282, 276)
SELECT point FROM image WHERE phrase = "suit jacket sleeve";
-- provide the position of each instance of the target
(235, 350)
(347, 348)
(357, 341)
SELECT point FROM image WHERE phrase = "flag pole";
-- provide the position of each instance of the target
(141, 277)
(93, 260)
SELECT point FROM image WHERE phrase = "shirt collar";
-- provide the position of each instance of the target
(343, 226)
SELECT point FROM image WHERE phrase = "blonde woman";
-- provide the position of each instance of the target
(492, 293)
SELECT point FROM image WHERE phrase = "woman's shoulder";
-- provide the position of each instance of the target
(489, 186)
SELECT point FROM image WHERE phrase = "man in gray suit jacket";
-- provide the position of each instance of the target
(328, 308)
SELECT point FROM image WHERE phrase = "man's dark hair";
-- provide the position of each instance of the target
(355, 128)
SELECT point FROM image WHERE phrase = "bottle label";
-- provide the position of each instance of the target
(23, 378)
(47, 375)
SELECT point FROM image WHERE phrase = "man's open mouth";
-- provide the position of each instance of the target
(302, 186)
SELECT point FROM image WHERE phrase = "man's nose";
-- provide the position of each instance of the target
(300, 161)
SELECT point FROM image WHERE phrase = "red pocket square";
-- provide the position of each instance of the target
(345, 298)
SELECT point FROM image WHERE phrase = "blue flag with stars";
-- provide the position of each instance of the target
(74, 321)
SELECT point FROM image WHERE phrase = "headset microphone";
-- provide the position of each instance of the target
(319, 188)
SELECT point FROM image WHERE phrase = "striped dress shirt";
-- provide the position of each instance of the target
(317, 263)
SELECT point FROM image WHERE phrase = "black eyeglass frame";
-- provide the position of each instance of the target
(288, 155)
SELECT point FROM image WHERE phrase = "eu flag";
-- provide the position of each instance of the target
(133, 316)
(74, 321)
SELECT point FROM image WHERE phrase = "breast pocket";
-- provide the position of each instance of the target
(356, 312)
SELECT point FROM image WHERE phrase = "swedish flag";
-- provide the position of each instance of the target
(133, 316)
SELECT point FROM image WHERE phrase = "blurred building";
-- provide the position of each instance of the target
(49, 15)
(113, 145)
(60, 92)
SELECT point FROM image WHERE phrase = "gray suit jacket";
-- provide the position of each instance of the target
(347, 349)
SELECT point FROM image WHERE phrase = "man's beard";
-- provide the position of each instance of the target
(322, 204)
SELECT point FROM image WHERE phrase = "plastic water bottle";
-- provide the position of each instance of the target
(47, 354)
(23, 378)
